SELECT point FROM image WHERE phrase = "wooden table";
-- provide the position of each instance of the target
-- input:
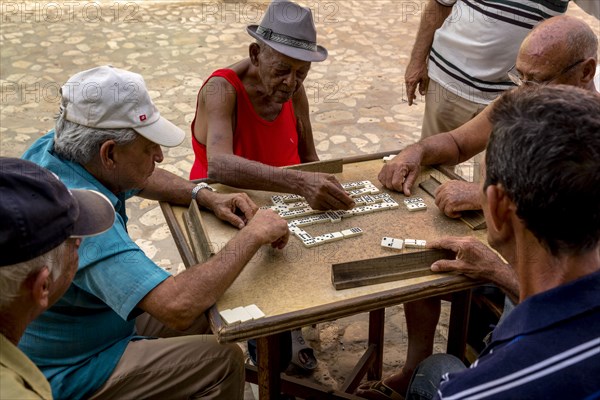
(293, 286)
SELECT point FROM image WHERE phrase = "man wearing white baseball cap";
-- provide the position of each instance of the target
(43, 224)
(126, 328)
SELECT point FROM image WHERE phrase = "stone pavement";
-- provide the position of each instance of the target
(357, 96)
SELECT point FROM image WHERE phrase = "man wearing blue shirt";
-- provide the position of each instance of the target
(126, 328)
(541, 201)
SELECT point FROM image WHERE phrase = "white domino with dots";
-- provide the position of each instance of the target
(392, 243)
(348, 233)
(415, 204)
(415, 243)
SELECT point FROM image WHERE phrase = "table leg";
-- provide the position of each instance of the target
(269, 378)
(459, 320)
(376, 325)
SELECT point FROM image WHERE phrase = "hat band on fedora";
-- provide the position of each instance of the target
(268, 34)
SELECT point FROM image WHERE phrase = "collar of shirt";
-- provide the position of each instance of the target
(563, 302)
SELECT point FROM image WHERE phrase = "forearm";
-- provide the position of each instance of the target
(438, 149)
(180, 300)
(166, 186)
(457, 145)
(242, 173)
(432, 17)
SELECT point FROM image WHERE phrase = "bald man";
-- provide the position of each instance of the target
(560, 50)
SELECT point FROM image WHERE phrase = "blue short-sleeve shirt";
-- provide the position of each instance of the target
(78, 342)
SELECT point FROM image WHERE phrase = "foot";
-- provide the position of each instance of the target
(397, 385)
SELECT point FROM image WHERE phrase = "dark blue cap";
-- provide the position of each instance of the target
(38, 212)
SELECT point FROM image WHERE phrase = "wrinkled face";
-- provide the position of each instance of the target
(70, 261)
(281, 75)
(135, 163)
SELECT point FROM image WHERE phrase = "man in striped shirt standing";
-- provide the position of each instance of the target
(463, 51)
(541, 201)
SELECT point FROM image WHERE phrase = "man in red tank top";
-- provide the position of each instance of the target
(253, 117)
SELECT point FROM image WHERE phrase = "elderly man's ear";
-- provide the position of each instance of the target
(39, 285)
(501, 210)
(253, 52)
(108, 154)
(588, 71)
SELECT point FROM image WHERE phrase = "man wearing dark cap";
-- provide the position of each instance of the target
(126, 328)
(253, 116)
(43, 224)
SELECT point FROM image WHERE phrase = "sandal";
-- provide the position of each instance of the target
(379, 389)
(303, 356)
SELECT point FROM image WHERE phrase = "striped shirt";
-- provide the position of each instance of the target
(547, 348)
(478, 43)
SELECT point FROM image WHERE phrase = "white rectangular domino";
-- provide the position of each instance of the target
(392, 243)
(292, 198)
(228, 316)
(333, 216)
(413, 200)
(241, 314)
(352, 232)
(309, 243)
(304, 236)
(254, 311)
(416, 206)
(416, 243)
(329, 237)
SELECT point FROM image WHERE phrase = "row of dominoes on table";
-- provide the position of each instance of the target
(365, 195)
(399, 244)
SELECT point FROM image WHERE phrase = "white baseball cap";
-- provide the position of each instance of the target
(111, 98)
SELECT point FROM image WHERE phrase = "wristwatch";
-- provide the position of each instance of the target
(199, 187)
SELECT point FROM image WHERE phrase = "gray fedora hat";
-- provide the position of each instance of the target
(290, 30)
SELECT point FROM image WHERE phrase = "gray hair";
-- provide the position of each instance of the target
(13, 276)
(80, 143)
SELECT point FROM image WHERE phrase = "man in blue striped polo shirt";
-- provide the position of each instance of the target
(541, 200)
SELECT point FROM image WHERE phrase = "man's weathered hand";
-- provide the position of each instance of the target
(235, 208)
(324, 192)
(400, 173)
(473, 258)
(455, 196)
(416, 75)
(268, 227)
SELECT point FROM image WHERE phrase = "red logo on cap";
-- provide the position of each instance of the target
(143, 117)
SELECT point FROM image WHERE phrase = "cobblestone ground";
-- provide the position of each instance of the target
(357, 96)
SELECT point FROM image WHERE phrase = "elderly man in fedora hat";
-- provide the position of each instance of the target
(126, 328)
(252, 118)
(43, 224)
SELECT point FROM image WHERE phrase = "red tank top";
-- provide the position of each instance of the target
(269, 142)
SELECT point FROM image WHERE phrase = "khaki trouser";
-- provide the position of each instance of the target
(179, 365)
(445, 111)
